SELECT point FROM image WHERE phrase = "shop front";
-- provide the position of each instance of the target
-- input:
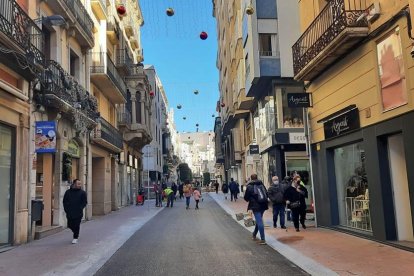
(362, 183)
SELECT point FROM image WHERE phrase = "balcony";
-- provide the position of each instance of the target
(107, 136)
(62, 93)
(333, 33)
(129, 26)
(99, 8)
(78, 18)
(123, 61)
(136, 135)
(105, 76)
(19, 32)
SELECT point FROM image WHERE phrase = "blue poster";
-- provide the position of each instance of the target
(45, 136)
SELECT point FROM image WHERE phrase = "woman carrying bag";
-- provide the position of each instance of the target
(295, 200)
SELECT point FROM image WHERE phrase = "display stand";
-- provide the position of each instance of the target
(357, 213)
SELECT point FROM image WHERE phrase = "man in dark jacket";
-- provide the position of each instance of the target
(276, 195)
(74, 201)
(174, 188)
(181, 190)
(234, 189)
(256, 195)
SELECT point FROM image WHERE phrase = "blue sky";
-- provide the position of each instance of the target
(182, 60)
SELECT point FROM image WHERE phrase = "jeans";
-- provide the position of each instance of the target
(258, 216)
(74, 225)
(279, 209)
(234, 195)
(187, 201)
(170, 200)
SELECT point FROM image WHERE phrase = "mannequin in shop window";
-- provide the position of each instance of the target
(357, 184)
(287, 122)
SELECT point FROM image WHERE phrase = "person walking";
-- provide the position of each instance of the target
(303, 195)
(293, 196)
(225, 189)
(234, 189)
(158, 194)
(216, 186)
(169, 193)
(256, 196)
(197, 196)
(188, 190)
(174, 188)
(276, 195)
(180, 190)
(74, 201)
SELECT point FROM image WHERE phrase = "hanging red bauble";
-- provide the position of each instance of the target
(152, 94)
(203, 35)
(121, 10)
(223, 104)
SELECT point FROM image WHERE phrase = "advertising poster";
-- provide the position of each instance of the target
(45, 137)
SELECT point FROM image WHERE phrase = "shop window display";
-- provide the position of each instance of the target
(352, 187)
(292, 117)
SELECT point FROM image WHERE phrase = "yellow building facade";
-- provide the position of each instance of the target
(358, 68)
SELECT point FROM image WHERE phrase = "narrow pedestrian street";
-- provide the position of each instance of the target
(195, 242)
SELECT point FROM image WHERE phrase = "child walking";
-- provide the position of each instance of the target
(197, 196)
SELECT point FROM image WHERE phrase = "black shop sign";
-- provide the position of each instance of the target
(342, 124)
(254, 149)
(299, 100)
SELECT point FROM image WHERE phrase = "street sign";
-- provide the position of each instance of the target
(299, 100)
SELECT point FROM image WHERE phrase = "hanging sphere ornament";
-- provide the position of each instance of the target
(223, 104)
(203, 35)
(152, 94)
(184, 118)
(179, 106)
(249, 10)
(197, 125)
(196, 92)
(213, 116)
(121, 10)
(170, 11)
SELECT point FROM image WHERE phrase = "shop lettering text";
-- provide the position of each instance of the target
(341, 126)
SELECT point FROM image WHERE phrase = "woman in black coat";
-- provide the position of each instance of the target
(295, 198)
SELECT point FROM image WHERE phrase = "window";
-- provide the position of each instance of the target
(352, 187)
(391, 71)
(267, 116)
(292, 117)
(268, 45)
(248, 129)
(74, 65)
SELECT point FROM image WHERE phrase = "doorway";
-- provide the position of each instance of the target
(400, 192)
(6, 184)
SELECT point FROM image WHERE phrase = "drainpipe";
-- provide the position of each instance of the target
(308, 136)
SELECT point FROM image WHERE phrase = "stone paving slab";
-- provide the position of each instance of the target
(330, 251)
(99, 240)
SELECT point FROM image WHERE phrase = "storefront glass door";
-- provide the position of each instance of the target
(6, 181)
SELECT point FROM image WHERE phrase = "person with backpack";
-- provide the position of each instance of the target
(276, 195)
(225, 189)
(188, 191)
(256, 196)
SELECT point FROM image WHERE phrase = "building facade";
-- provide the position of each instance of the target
(69, 79)
(358, 67)
(259, 132)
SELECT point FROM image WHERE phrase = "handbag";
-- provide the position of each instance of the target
(294, 205)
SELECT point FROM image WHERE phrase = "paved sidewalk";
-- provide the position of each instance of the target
(321, 251)
(99, 240)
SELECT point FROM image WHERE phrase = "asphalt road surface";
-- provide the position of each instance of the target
(195, 242)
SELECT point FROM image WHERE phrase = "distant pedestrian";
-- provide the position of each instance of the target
(188, 190)
(158, 195)
(174, 188)
(276, 195)
(197, 196)
(256, 195)
(216, 186)
(74, 201)
(295, 197)
(234, 189)
(225, 189)
(169, 193)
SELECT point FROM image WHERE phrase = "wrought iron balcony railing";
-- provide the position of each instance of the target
(59, 83)
(99, 67)
(108, 133)
(78, 9)
(335, 17)
(22, 30)
(123, 59)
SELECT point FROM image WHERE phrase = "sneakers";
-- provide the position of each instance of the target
(262, 242)
(74, 241)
